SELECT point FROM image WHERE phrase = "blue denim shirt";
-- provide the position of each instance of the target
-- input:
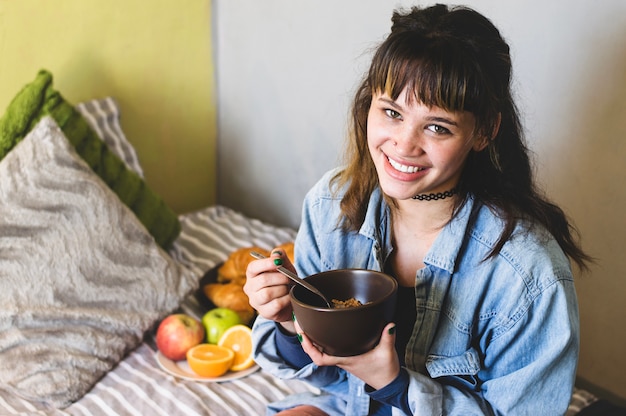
(499, 336)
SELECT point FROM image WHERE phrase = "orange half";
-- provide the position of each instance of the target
(209, 360)
(238, 338)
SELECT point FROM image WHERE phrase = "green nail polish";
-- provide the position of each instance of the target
(299, 337)
(392, 330)
(278, 262)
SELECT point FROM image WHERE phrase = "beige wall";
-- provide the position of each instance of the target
(153, 56)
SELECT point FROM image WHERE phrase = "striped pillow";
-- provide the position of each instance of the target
(82, 279)
(103, 115)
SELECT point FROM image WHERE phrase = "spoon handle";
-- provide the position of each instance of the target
(294, 277)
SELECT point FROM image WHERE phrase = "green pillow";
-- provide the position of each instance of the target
(39, 99)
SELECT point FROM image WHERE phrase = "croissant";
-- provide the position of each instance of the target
(234, 268)
(231, 296)
(231, 276)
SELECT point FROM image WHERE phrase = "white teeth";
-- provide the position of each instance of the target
(403, 168)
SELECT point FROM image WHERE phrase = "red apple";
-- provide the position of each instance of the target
(177, 334)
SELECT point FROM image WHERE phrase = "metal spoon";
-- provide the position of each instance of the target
(295, 278)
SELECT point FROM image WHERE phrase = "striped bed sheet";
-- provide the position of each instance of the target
(138, 386)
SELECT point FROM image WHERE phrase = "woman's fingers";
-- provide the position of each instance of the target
(267, 289)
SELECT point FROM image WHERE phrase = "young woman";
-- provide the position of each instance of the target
(438, 192)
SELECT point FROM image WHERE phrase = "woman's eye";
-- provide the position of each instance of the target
(392, 113)
(437, 129)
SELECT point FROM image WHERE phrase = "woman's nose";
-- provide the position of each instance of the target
(407, 141)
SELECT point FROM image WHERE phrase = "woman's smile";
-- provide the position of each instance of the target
(404, 168)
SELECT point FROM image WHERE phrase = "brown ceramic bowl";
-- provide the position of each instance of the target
(346, 331)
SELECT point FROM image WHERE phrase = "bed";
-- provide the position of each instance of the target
(77, 330)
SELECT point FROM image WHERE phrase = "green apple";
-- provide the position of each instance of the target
(217, 321)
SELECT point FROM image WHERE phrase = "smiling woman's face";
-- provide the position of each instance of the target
(418, 149)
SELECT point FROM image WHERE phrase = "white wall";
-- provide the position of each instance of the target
(286, 70)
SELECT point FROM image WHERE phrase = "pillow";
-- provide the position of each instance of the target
(82, 280)
(103, 116)
(38, 99)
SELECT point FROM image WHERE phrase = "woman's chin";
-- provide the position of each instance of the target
(398, 194)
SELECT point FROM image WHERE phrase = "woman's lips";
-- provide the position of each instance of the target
(404, 168)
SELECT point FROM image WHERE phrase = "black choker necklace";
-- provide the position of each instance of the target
(435, 196)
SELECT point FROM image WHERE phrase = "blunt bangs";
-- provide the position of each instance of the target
(440, 73)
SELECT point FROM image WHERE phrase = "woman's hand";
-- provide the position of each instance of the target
(268, 290)
(377, 367)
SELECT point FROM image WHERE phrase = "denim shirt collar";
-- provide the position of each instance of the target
(446, 247)
(377, 217)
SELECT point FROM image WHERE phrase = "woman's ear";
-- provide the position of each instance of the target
(480, 143)
(483, 141)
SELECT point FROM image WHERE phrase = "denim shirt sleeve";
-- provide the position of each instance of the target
(290, 349)
(267, 356)
(395, 394)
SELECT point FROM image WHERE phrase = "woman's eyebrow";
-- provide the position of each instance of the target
(439, 119)
(390, 102)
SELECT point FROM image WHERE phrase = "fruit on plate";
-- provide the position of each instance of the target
(216, 321)
(209, 360)
(239, 339)
(177, 333)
